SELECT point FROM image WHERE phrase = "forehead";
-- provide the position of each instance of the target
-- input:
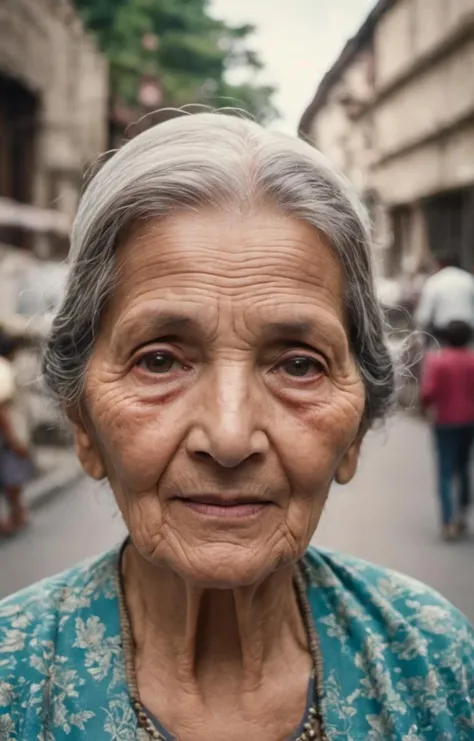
(226, 279)
(263, 257)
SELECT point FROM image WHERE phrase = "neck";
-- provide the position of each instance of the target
(195, 635)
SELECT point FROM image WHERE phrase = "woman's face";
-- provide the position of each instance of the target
(222, 398)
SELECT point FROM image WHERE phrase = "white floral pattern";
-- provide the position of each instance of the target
(398, 661)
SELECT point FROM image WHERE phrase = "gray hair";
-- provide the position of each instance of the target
(193, 161)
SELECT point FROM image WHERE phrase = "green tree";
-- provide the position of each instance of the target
(189, 51)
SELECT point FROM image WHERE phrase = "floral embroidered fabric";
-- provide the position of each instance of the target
(398, 660)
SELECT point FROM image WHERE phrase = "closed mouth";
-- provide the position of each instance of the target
(224, 507)
(223, 501)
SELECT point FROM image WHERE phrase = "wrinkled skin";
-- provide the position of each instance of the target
(222, 368)
(225, 411)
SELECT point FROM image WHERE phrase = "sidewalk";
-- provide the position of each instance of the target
(58, 469)
(389, 513)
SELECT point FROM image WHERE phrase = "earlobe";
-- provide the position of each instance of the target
(86, 449)
(347, 468)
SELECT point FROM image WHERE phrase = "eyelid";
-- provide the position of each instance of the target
(295, 346)
(153, 343)
(147, 349)
(309, 354)
(157, 351)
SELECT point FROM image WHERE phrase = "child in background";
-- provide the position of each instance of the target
(16, 467)
(447, 389)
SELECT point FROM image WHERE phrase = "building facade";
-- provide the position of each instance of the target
(53, 112)
(396, 114)
(54, 104)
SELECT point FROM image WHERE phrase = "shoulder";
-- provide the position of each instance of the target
(51, 593)
(60, 649)
(433, 358)
(33, 620)
(459, 277)
(394, 595)
(397, 657)
(411, 620)
(466, 276)
(432, 281)
(441, 360)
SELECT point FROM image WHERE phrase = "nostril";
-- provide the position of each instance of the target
(202, 455)
(225, 449)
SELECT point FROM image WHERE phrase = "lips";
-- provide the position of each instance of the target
(220, 500)
(229, 507)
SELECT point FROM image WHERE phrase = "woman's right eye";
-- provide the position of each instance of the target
(158, 363)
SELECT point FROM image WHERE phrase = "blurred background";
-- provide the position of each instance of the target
(385, 89)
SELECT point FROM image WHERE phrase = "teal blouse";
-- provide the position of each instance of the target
(398, 660)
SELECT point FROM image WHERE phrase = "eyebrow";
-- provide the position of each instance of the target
(324, 330)
(170, 322)
(290, 329)
(160, 324)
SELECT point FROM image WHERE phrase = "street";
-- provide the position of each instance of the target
(387, 515)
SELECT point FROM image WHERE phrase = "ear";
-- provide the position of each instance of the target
(86, 446)
(348, 465)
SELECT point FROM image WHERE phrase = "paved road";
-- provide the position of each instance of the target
(388, 515)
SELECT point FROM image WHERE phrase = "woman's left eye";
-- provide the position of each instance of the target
(302, 366)
(158, 363)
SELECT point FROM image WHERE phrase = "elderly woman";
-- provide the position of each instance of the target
(221, 354)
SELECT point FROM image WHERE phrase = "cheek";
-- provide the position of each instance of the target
(317, 441)
(136, 442)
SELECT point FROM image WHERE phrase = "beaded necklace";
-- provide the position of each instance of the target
(312, 730)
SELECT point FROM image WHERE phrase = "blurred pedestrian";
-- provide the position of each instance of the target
(448, 390)
(447, 296)
(16, 467)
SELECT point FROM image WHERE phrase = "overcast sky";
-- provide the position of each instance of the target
(297, 40)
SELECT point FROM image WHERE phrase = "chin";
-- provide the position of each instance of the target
(226, 566)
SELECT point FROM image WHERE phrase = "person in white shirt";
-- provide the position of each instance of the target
(447, 296)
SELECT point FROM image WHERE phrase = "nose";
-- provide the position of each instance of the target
(228, 428)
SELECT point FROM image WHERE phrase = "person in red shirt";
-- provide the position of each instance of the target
(447, 389)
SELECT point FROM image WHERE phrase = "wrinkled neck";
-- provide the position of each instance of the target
(195, 634)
